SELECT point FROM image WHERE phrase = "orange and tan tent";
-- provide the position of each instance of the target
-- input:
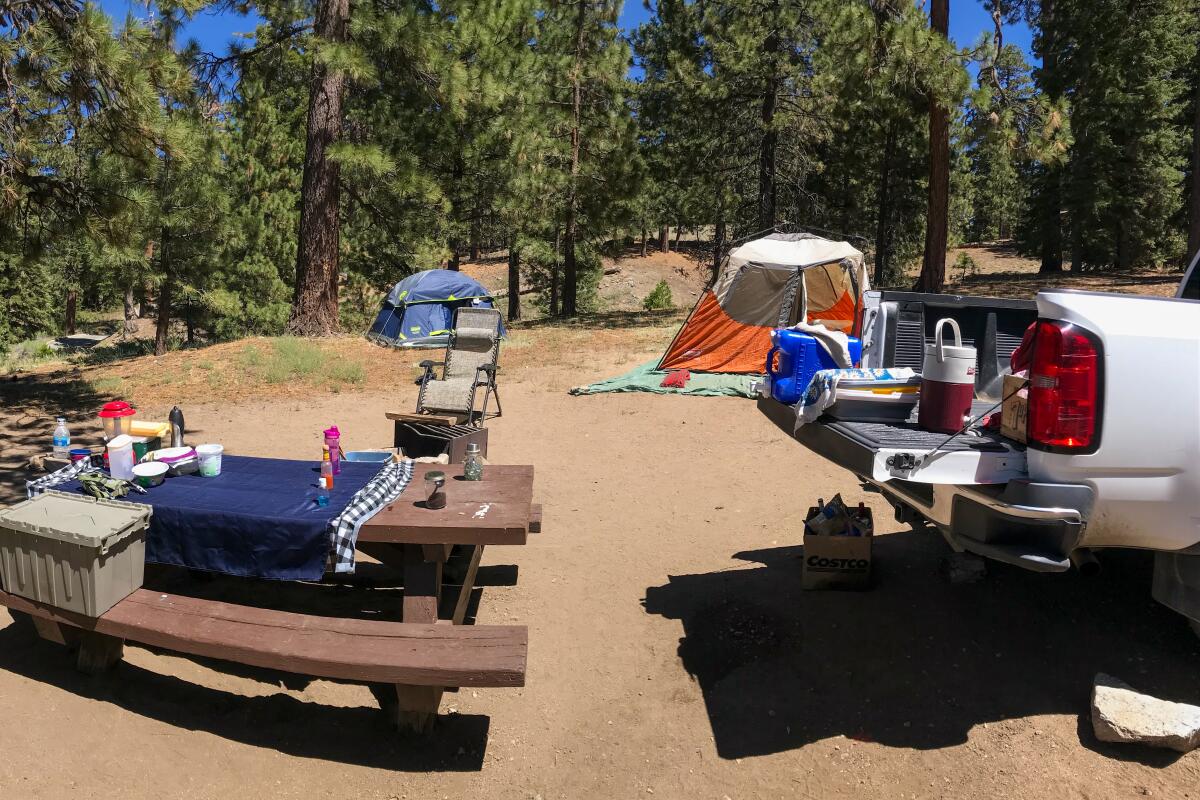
(764, 284)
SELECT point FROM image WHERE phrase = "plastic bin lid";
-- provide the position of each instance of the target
(76, 519)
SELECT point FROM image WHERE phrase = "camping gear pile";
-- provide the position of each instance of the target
(419, 311)
(784, 280)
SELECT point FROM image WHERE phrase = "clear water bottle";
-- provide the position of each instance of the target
(62, 439)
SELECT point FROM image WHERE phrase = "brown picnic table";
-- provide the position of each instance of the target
(408, 664)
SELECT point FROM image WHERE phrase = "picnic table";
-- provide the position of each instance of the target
(407, 664)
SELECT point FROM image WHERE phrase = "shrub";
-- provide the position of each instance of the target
(659, 298)
(966, 266)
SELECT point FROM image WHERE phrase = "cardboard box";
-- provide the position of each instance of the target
(1014, 413)
(836, 562)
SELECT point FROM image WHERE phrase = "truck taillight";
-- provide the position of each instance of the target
(1063, 388)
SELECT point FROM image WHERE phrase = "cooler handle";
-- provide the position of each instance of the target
(937, 336)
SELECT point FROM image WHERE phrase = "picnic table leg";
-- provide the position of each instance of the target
(414, 708)
(98, 652)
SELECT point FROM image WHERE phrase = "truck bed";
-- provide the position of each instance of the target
(887, 451)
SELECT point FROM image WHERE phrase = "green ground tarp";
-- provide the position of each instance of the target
(647, 379)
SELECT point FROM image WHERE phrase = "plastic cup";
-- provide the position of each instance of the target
(209, 456)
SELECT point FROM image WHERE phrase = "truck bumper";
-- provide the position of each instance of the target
(1035, 526)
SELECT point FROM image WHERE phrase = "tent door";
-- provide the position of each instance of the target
(794, 306)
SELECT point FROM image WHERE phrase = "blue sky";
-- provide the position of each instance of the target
(215, 31)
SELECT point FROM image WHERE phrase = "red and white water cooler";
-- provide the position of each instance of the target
(947, 382)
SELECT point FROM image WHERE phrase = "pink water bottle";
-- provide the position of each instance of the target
(333, 438)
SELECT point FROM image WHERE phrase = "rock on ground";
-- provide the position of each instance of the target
(1121, 714)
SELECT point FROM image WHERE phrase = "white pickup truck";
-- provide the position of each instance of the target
(1113, 454)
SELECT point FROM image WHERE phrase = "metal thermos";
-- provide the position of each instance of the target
(176, 420)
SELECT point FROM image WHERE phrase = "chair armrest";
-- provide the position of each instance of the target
(427, 364)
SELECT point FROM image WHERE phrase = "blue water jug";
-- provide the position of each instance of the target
(795, 357)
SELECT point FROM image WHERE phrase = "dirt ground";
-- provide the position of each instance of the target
(672, 652)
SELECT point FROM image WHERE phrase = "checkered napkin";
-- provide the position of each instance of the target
(60, 476)
(368, 501)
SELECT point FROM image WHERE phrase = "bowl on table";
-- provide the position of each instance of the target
(150, 473)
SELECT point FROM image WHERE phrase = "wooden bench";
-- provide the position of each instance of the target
(416, 659)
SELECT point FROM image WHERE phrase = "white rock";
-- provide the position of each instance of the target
(1120, 714)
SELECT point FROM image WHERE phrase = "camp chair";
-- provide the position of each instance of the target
(470, 365)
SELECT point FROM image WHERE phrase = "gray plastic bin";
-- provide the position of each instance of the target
(73, 552)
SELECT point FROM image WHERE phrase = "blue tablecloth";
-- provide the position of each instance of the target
(258, 518)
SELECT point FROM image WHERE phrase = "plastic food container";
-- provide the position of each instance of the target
(73, 552)
(210, 459)
(117, 418)
(179, 460)
(368, 456)
(149, 474)
(875, 401)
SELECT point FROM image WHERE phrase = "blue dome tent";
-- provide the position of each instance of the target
(419, 311)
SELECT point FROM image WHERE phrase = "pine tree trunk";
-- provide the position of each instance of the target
(1051, 200)
(72, 300)
(718, 244)
(883, 252)
(645, 243)
(766, 153)
(678, 230)
(933, 268)
(475, 233)
(1194, 226)
(131, 311)
(162, 330)
(570, 276)
(514, 280)
(664, 239)
(315, 303)
(554, 275)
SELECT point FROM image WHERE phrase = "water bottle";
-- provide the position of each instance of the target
(62, 439)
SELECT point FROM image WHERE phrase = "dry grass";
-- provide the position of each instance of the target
(260, 368)
(1000, 271)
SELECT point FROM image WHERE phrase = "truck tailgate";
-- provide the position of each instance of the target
(887, 451)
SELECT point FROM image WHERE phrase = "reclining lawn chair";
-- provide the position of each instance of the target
(448, 410)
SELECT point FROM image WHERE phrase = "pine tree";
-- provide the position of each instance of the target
(995, 145)
(587, 154)
(315, 305)
(1124, 181)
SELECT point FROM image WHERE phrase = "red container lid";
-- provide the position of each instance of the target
(117, 408)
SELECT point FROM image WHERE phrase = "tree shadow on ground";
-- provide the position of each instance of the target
(607, 320)
(916, 662)
(350, 735)
(31, 404)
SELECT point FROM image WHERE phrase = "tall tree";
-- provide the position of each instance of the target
(1194, 208)
(588, 158)
(933, 266)
(315, 304)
